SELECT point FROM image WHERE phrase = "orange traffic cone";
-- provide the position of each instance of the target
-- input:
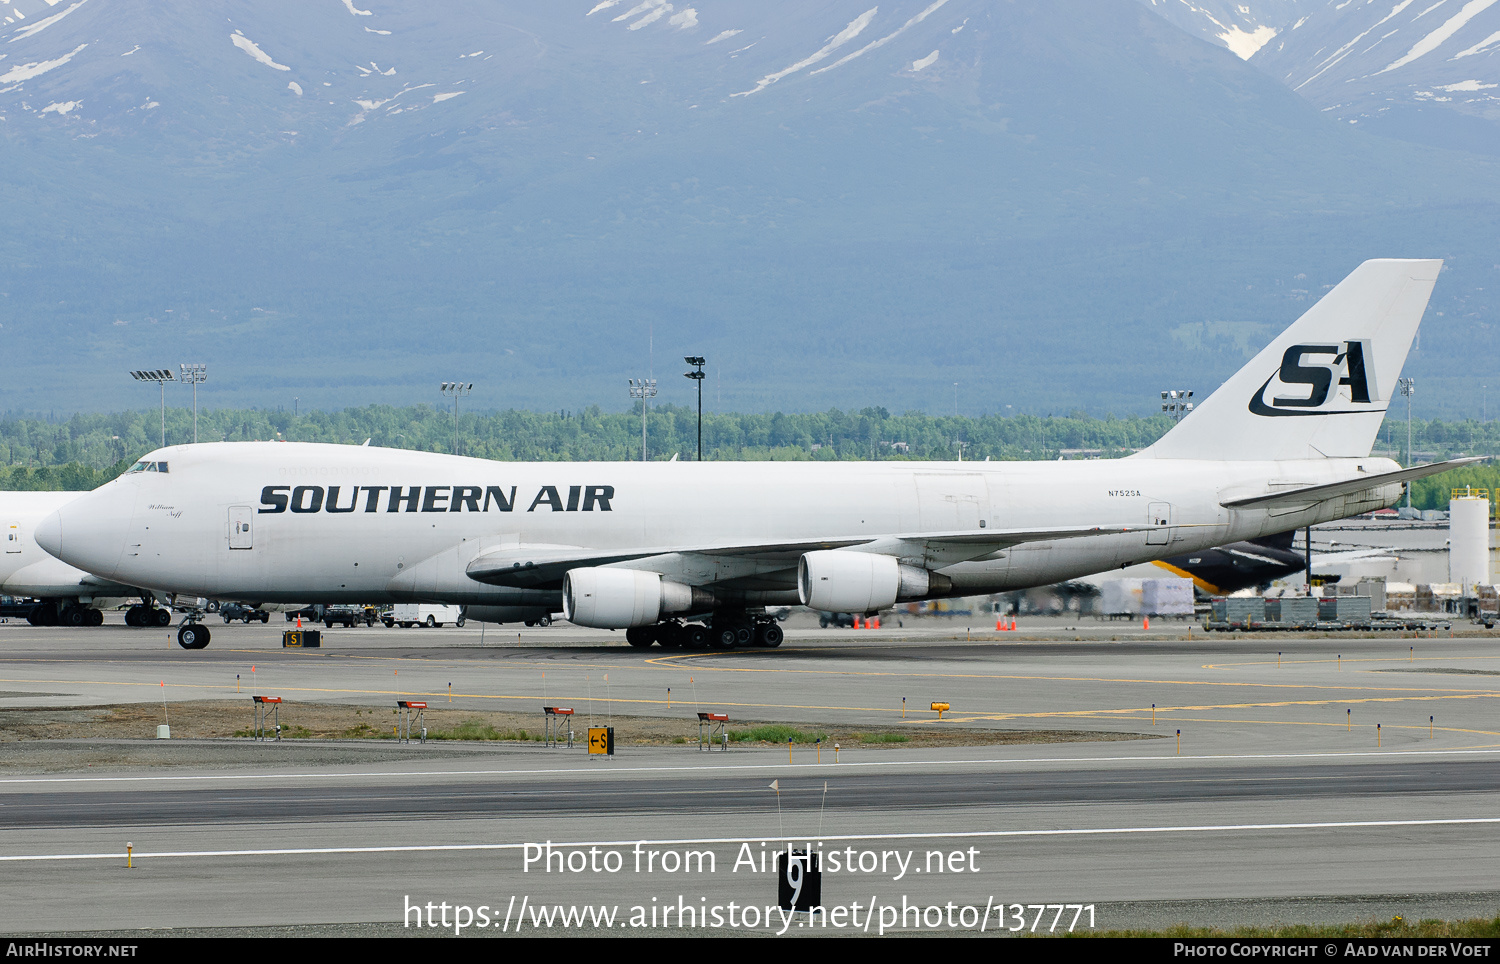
(1013, 624)
(999, 625)
(873, 623)
(1146, 622)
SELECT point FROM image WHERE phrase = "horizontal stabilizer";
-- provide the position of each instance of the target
(1332, 490)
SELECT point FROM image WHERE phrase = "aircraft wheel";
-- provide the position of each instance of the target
(697, 636)
(96, 618)
(725, 638)
(192, 636)
(73, 616)
(544, 622)
(163, 617)
(35, 616)
(769, 635)
(639, 636)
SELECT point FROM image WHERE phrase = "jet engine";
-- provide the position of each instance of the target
(607, 598)
(840, 581)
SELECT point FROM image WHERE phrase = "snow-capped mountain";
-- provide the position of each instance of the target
(1243, 28)
(1424, 70)
(840, 202)
(328, 65)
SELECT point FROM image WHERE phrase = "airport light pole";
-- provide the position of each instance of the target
(457, 390)
(645, 390)
(697, 376)
(1408, 388)
(161, 376)
(195, 375)
(1176, 404)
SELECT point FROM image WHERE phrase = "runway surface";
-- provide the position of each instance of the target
(1284, 802)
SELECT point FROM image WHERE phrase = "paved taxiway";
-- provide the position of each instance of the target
(1280, 796)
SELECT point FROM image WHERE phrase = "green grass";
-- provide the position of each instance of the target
(775, 733)
(476, 729)
(882, 738)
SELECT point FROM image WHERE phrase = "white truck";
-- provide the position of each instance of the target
(407, 615)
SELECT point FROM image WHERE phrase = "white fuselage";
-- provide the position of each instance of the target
(27, 570)
(290, 521)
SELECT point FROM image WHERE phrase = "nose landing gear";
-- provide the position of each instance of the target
(192, 635)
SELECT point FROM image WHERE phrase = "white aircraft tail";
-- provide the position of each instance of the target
(1320, 389)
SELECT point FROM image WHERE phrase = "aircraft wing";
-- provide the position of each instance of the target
(1330, 490)
(537, 566)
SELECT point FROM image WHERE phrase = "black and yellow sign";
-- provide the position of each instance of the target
(602, 740)
(302, 639)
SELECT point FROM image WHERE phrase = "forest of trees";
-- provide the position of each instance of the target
(86, 450)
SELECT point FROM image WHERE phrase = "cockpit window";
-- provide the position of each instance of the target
(144, 466)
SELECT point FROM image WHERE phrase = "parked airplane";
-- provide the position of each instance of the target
(648, 547)
(1240, 565)
(65, 595)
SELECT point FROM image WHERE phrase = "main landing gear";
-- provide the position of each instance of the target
(724, 630)
(142, 615)
(51, 614)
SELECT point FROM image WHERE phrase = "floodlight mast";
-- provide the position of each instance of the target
(1408, 388)
(645, 390)
(161, 376)
(699, 361)
(1175, 403)
(457, 390)
(194, 374)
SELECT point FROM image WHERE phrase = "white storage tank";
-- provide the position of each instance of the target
(1469, 538)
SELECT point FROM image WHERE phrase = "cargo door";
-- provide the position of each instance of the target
(239, 527)
(952, 502)
(1159, 514)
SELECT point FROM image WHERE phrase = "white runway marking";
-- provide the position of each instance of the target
(705, 841)
(752, 767)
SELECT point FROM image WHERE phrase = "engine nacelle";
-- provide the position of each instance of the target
(620, 598)
(837, 581)
(841, 581)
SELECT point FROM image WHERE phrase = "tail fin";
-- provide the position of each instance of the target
(1320, 389)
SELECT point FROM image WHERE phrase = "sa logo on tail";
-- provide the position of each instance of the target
(1309, 372)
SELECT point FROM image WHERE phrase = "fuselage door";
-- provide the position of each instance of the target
(951, 501)
(13, 537)
(239, 527)
(1159, 514)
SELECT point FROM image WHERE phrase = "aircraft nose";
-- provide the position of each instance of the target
(88, 533)
(49, 534)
